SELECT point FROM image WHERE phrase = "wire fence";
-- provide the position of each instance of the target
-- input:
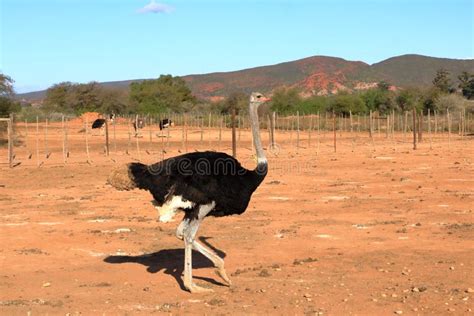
(72, 140)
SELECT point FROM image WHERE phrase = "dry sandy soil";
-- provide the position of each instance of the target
(374, 229)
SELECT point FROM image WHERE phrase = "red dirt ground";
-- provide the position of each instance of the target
(374, 229)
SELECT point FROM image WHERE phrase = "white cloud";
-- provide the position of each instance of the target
(155, 7)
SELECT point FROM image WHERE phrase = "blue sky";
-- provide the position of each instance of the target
(43, 42)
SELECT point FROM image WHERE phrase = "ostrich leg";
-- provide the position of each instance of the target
(192, 220)
(216, 260)
(189, 235)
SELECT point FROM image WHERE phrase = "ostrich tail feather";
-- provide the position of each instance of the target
(122, 179)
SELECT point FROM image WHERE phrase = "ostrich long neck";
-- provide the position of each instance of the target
(261, 159)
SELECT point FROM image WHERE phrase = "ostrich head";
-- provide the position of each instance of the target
(257, 99)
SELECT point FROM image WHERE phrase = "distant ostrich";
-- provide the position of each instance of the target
(165, 123)
(138, 124)
(100, 122)
(200, 184)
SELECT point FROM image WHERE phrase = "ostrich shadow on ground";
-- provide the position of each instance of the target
(171, 261)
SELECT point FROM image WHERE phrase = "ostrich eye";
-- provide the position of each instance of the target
(259, 96)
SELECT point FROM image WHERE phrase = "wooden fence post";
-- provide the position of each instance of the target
(319, 132)
(220, 132)
(115, 137)
(234, 143)
(405, 126)
(350, 121)
(269, 131)
(37, 142)
(129, 143)
(201, 123)
(429, 128)
(150, 131)
(414, 129)
(273, 128)
(10, 140)
(310, 128)
(290, 127)
(46, 139)
(378, 125)
(137, 134)
(209, 129)
(370, 124)
(64, 139)
(26, 139)
(297, 130)
(449, 127)
(87, 140)
(66, 136)
(239, 127)
(334, 129)
(106, 136)
(420, 127)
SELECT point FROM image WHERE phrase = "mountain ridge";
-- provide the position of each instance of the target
(313, 75)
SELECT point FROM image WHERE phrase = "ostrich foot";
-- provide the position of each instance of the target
(193, 288)
(221, 272)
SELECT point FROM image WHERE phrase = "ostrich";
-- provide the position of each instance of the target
(138, 124)
(100, 122)
(165, 123)
(199, 184)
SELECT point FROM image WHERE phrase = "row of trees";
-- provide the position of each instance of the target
(168, 93)
(441, 96)
(67, 97)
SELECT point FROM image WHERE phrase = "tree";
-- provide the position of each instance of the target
(7, 104)
(79, 98)
(313, 104)
(56, 97)
(466, 84)
(383, 86)
(442, 81)
(162, 94)
(468, 90)
(428, 99)
(235, 100)
(344, 103)
(464, 79)
(6, 85)
(378, 100)
(85, 97)
(409, 98)
(453, 102)
(113, 100)
(285, 100)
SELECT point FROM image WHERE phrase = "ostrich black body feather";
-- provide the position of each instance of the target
(98, 123)
(165, 123)
(202, 178)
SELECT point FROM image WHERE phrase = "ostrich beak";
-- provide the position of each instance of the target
(264, 99)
